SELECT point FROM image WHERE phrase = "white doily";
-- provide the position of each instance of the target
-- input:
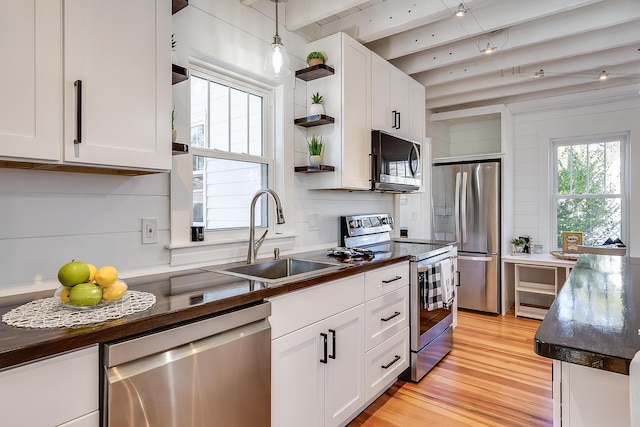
(51, 313)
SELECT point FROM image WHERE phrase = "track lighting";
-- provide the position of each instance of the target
(276, 63)
(539, 74)
(461, 10)
(489, 49)
(603, 75)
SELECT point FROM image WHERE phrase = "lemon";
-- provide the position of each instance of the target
(92, 272)
(106, 276)
(64, 294)
(114, 291)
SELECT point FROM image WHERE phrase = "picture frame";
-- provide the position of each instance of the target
(570, 241)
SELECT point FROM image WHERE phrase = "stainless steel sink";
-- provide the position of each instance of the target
(280, 269)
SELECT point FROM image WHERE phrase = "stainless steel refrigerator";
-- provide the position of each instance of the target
(466, 209)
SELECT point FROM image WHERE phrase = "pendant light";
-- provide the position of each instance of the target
(276, 63)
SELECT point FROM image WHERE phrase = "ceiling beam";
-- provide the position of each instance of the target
(478, 21)
(601, 15)
(301, 13)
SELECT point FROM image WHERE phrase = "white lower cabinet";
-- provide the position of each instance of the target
(364, 321)
(318, 369)
(60, 390)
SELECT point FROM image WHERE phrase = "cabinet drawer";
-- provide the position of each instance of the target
(384, 280)
(386, 316)
(298, 309)
(39, 393)
(385, 362)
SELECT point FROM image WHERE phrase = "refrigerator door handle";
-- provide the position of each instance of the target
(463, 207)
(456, 209)
(474, 258)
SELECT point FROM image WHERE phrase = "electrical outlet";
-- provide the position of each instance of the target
(312, 222)
(149, 230)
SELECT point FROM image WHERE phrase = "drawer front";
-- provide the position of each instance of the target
(386, 316)
(384, 280)
(385, 362)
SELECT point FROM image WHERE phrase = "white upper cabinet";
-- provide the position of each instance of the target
(347, 99)
(31, 83)
(120, 52)
(397, 101)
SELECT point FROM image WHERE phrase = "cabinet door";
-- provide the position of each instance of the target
(417, 112)
(400, 94)
(297, 378)
(40, 393)
(381, 117)
(31, 84)
(356, 115)
(119, 50)
(345, 392)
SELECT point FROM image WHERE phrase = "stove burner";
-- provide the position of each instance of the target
(352, 253)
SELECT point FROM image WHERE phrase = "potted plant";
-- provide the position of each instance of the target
(315, 58)
(518, 244)
(316, 107)
(315, 150)
(174, 133)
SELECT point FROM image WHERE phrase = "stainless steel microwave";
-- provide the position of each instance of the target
(395, 163)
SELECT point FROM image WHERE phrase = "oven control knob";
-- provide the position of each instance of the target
(353, 223)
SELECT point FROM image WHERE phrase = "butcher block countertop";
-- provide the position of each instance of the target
(595, 320)
(181, 297)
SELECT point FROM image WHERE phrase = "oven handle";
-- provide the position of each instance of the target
(425, 267)
(475, 258)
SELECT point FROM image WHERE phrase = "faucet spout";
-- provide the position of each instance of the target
(253, 244)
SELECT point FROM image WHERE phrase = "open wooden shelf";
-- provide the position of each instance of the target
(311, 169)
(314, 72)
(177, 148)
(178, 5)
(309, 121)
(179, 74)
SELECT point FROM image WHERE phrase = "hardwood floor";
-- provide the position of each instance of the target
(492, 377)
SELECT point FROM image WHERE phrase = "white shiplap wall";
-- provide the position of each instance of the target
(532, 174)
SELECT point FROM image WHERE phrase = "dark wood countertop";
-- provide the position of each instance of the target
(595, 320)
(181, 297)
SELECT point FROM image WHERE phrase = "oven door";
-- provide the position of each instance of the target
(425, 325)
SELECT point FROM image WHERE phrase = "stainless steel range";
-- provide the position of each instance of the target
(431, 329)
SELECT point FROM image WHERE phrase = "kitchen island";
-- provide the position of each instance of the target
(591, 332)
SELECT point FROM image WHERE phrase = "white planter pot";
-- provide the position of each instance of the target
(174, 134)
(316, 109)
(315, 161)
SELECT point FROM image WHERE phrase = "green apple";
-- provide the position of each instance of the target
(73, 273)
(85, 295)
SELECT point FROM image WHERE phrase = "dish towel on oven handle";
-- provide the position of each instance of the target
(437, 288)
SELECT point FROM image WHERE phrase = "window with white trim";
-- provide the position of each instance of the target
(590, 188)
(232, 155)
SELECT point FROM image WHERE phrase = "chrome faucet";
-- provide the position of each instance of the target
(254, 245)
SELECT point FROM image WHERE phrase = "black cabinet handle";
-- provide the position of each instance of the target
(324, 337)
(395, 359)
(386, 319)
(333, 342)
(78, 85)
(458, 273)
(398, 121)
(392, 280)
(393, 113)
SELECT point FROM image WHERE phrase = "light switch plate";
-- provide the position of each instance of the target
(149, 230)
(312, 222)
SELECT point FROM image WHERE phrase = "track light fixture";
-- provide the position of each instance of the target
(489, 49)
(539, 74)
(603, 75)
(461, 10)
(276, 63)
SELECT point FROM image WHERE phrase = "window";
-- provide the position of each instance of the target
(231, 156)
(589, 193)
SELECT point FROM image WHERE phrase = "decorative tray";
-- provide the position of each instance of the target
(565, 255)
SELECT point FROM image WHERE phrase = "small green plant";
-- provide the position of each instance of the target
(518, 241)
(315, 145)
(316, 98)
(317, 55)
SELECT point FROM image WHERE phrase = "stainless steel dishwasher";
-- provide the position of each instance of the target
(212, 372)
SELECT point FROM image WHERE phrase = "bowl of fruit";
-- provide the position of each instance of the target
(84, 286)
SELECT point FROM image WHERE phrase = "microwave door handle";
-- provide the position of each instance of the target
(456, 208)
(463, 207)
(413, 171)
(374, 170)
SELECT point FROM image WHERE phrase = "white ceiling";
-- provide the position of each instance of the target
(572, 41)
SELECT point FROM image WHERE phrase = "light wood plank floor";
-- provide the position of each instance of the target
(492, 377)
